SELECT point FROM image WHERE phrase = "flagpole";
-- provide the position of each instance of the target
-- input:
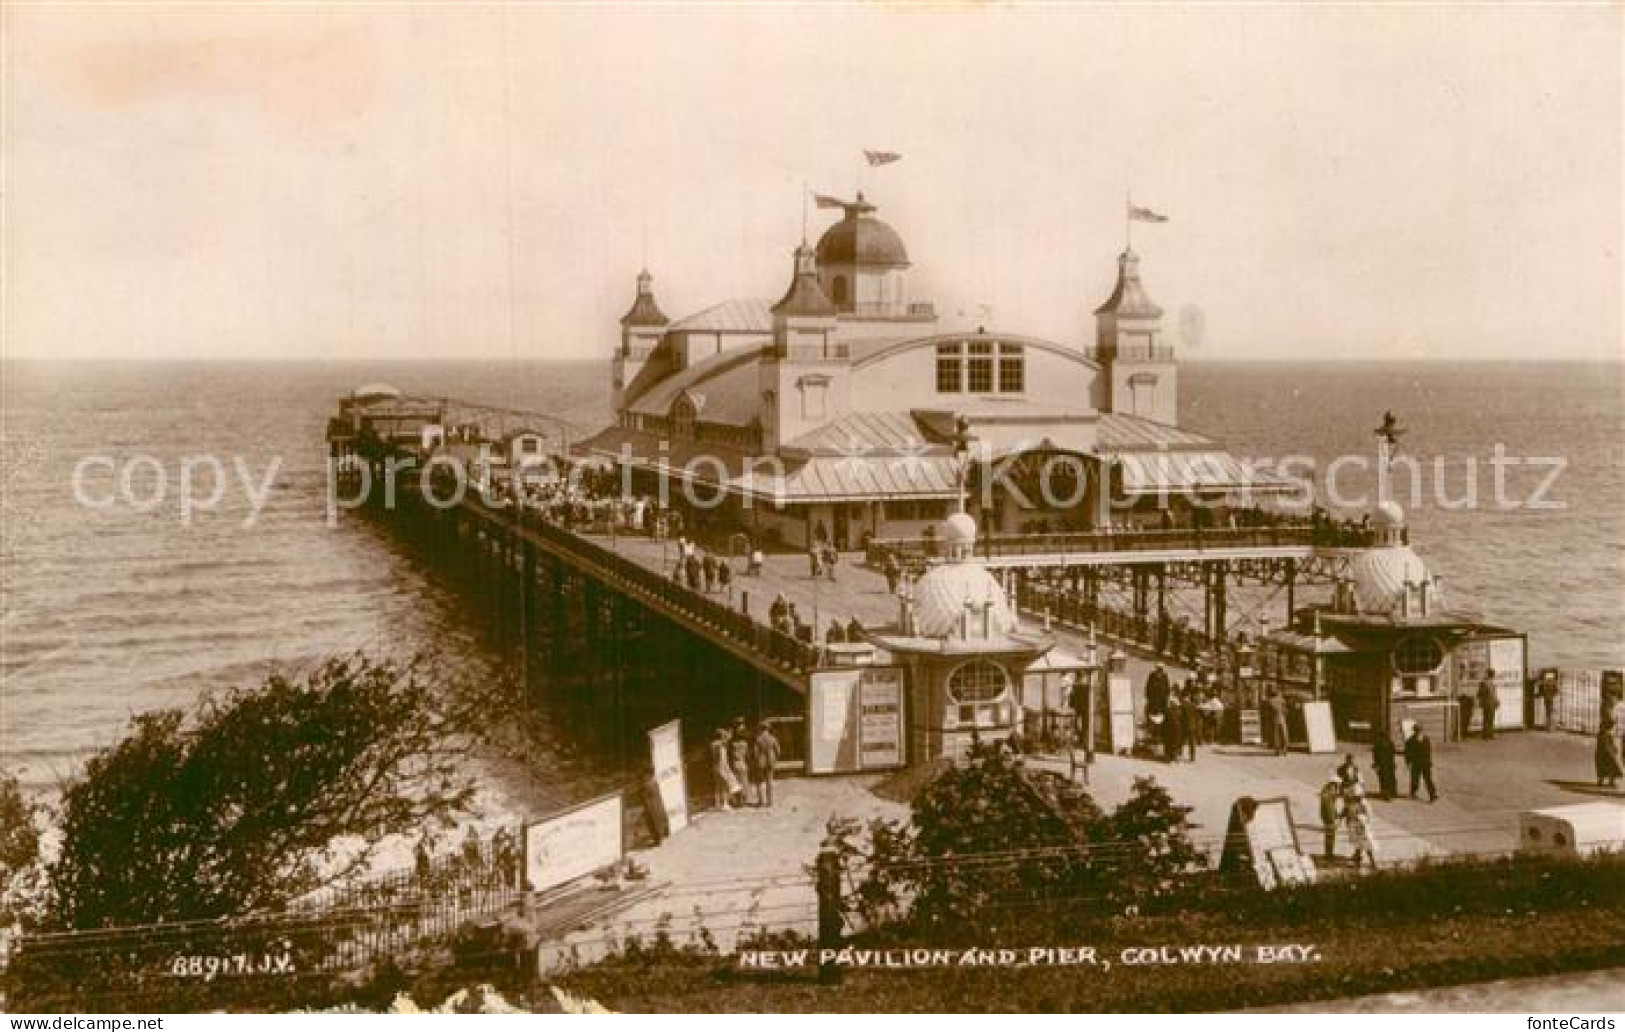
(1128, 220)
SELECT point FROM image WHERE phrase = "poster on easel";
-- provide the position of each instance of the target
(1261, 843)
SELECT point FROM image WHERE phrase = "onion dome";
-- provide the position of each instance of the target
(1380, 577)
(805, 297)
(940, 599)
(644, 310)
(861, 239)
(1128, 298)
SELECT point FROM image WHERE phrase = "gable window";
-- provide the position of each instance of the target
(1012, 369)
(682, 418)
(950, 379)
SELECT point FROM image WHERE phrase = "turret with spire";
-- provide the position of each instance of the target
(1141, 377)
(642, 328)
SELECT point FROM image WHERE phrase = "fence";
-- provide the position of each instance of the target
(333, 930)
(998, 546)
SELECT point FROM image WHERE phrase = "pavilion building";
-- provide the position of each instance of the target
(846, 410)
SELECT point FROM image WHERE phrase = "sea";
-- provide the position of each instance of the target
(116, 598)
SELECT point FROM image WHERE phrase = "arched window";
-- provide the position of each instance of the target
(977, 694)
(1417, 654)
(838, 289)
(682, 417)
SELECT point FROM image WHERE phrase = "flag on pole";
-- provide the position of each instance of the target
(826, 201)
(1144, 215)
(876, 158)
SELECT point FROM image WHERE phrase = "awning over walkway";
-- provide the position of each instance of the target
(1182, 472)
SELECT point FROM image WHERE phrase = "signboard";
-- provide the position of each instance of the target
(1262, 841)
(574, 843)
(880, 720)
(1120, 701)
(1317, 722)
(1506, 657)
(1252, 728)
(832, 736)
(854, 719)
(671, 781)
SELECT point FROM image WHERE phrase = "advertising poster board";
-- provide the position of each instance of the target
(880, 722)
(1252, 727)
(1317, 722)
(1120, 701)
(832, 732)
(574, 843)
(854, 720)
(671, 781)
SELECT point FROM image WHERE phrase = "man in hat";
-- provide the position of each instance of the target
(1331, 796)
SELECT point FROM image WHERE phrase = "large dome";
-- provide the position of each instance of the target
(1379, 576)
(940, 597)
(861, 240)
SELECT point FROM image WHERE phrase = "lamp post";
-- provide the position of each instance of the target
(1091, 682)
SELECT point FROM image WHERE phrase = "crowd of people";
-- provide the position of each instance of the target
(743, 763)
(1180, 720)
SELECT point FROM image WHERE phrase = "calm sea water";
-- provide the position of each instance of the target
(110, 612)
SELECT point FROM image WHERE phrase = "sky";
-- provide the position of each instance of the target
(388, 182)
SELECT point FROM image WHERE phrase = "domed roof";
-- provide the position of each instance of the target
(1387, 514)
(1379, 576)
(861, 239)
(374, 392)
(940, 597)
(959, 529)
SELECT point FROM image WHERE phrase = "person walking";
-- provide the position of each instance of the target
(1610, 767)
(1488, 703)
(1419, 760)
(1331, 800)
(765, 755)
(1382, 760)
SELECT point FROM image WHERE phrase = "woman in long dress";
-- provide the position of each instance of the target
(722, 775)
(1609, 766)
(1357, 815)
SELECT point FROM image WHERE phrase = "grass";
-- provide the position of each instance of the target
(1443, 924)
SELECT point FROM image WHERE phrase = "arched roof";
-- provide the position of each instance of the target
(860, 239)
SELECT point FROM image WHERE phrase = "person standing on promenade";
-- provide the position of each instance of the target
(1363, 840)
(1157, 690)
(1547, 690)
(1610, 767)
(1419, 759)
(725, 579)
(1382, 760)
(723, 784)
(739, 754)
(765, 754)
(1331, 797)
(1488, 703)
(815, 561)
(1173, 732)
(894, 572)
(1191, 722)
(708, 570)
